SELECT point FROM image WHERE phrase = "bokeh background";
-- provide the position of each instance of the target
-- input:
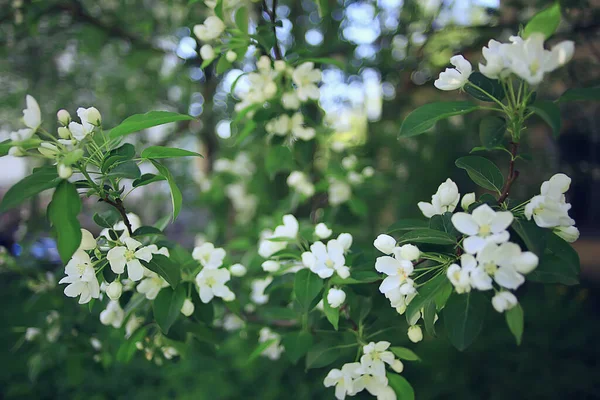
(131, 56)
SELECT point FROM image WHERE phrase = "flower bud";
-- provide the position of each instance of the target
(114, 290)
(415, 334)
(188, 308)
(467, 200)
(87, 241)
(64, 132)
(231, 56)
(72, 157)
(207, 52)
(64, 171)
(397, 366)
(336, 297)
(16, 151)
(503, 301)
(368, 172)
(270, 266)
(93, 116)
(345, 239)
(568, 233)
(322, 231)
(237, 270)
(63, 117)
(385, 243)
(409, 252)
(349, 162)
(280, 65)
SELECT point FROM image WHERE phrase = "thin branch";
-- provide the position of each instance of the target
(118, 205)
(273, 17)
(513, 174)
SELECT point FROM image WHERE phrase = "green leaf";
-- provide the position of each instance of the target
(118, 155)
(404, 353)
(407, 225)
(128, 348)
(277, 313)
(297, 344)
(62, 213)
(482, 171)
(41, 179)
(332, 314)
(358, 276)
(107, 219)
(581, 94)
(492, 86)
(146, 179)
(127, 170)
(326, 353)
(176, 197)
(278, 158)
(425, 117)
(164, 267)
(137, 122)
(427, 293)
(402, 388)
(167, 152)
(147, 231)
(514, 320)
(323, 8)
(223, 65)
(167, 307)
(358, 207)
(546, 22)
(463, 317)
(307, 286)
(241, 19)
(443, 223)
(426, 235)
(533, 236)
(550, 113)
(429, 314)
(491, 132)
(558, 264)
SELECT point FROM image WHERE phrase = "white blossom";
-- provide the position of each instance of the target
(130, 256)
(336, 297)
(232, 322)
(507, 263)
(374, 357)
(114, 290)
(504, 301)
(454, 78)
(207, 52)
(322, 231)
(444, 200)
(339, 192)
(408, 252)
(238, 270)
(415, 333)
(87, 240)
(459, 278)
(209, 256)
(397, 271)
(271, 266)
(21, 134)
(345, 239)
(31, 333)
(289, 229)
(210, 30)
(112, 315)
(211, 283)
(81, 278)
(325, 260)
(32, 116)
(349, 162)
(343, 379)
(151, 284)
(300, 183)
(550, 209)
(258, 295)
(484, 225)
(306, 77)
(397, 366)
(231, 56)
(568, 233)
(187, 308)
(385, 243)
(275, 349)
(290, 101)
(63, 117)
(467, 200)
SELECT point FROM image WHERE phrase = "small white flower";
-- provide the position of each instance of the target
(375, 355)
(459, 278)
(375, 385)
(415, 333)
(89, 116)
(163, 251)
(467, 200)
(209, 256)
(114, 290)
(274, 351)
(368, 171)
(398, 366)
(238, 270)
(322, 231)
(31, 333)
(297, 128)
(87, 240)
(484, 225)
(345, 240)
(355, 178)
(81, 278)
(211, 283)
(21, 134)
(339, 192)
(385, 244)
(408, 252)
(343, 379)
(207, 52)
(232, 322)
(210, 30)
(270, 266)
(568, 233)
(151, 285)
(349, 162)
(397, 272)
(132, 324)
(454, 78)
(507, 263)
(336, 297)
(187, 308)
(306, 77)
(290, 101)
(289, 229)
(130, 256)
(496, 60)
(258, 295)
(64, 171)
(63, 117)
(444, 200)
(325, 260)
(504, 301)
(230, 56)
(300, 183)
(32, 116)
(548, 213)
(112, 315)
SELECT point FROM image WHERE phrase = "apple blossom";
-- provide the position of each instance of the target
(211, 283)
(237, 270)
(454, 78)
(374, 357)
(300, 183)
(415, 333)
(209, 256)
(63, 117)
(258, 295)
(504, 301)
(290, 101)
(322, 231)
(339, 192)
(306, 77)
(467, 200)
(232, 322)
(114, 290)
(112, 315)
(483, 225)
(289, 229)
(325, 260)
(130, 256)
(270, 266)
(210, 30)
(151, 285)
(397, 271)
(207, 52)
(568, 233)
(32, 116)
(408, 252)
(187, 308)
(81, 278)
(21, 134)
(231, 56)
(459, 278)
(397, 366)
(345, 239)
(343, 379)
(507, 263)
(336, 297)
(444, 200)
(87, 240)
(274, 350)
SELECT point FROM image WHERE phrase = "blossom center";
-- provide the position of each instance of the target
(534, 67)
(210, 281)
(490, 268)
(129, 255)
(329, 263)
(485, 230)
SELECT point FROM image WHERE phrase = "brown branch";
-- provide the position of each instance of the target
(513, 174)
(273, 16)
(118, 205)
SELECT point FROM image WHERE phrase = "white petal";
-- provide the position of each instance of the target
(474, 244)
(465, 223)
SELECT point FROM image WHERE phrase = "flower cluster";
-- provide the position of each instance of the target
(369, 373)
(274, 349)
(212, 279)
(549, 209)
(525, 58)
